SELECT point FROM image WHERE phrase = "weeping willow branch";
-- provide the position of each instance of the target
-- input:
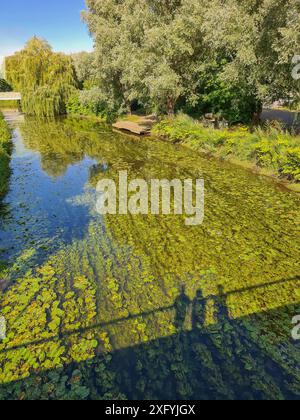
(44, 78)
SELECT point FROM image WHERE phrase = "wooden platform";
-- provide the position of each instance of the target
(132, 127)
(142, 126)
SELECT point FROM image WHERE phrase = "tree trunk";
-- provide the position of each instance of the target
(171, 106)
(128, 106)
(256, 118)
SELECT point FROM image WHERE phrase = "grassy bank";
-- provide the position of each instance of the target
(5, 149)
(270, 151)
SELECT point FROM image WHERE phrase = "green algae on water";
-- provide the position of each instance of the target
(137, 307)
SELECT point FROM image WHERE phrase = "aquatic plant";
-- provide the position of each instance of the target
(98, 316)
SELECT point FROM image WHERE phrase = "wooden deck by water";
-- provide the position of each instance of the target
(141, 127)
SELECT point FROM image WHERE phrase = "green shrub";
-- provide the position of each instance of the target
(91, 102)
(291, 167)
(271, 148)
(235, 103)
(268, 153)
(75, 107)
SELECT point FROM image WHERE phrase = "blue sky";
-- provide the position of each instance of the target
(58, 21)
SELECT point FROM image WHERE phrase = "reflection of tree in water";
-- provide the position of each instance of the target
(56, 165)
(65, 143)
(59, 147)
(97, 170)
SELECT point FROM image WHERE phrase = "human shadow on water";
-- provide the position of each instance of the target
(198, 310)
(219, 361)
(221, 305)
(181, 306)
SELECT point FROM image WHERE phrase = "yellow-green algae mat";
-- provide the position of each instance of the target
(144, 306)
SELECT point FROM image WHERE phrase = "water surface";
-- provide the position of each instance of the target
(143, 306)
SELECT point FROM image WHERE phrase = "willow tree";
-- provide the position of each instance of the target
(259, 39)
(147, 50)
(85, 69)
(44, 78)
(159, 51)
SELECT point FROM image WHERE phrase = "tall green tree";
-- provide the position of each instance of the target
(258, 38)
(159, 51)
(85, 68)
(147, 50)
(44, 78)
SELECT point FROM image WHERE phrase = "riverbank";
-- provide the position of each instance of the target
(271, 152)
(5, 150)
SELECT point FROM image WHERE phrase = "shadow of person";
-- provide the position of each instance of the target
(198, 311)
(222, 313)
(181, 305)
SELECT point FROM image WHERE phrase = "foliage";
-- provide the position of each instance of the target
(84, 68)
(44, 78)
(75, 107)
(91, 102)
(150, 54)
(291, 164)
(270, 149)
(43, 102)
(4, 86)
(233, 102)
(257, 38)
(5, 149)
(161, 55)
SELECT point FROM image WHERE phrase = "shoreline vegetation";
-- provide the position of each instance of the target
(5, 152)
(270, 152)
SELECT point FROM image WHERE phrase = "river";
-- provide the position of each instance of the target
(123, 306)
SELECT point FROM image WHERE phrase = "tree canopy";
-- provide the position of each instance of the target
(224, 56)
(162, 52)
(44, 78)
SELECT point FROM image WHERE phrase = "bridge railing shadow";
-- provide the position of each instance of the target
(182, 306)
(221, 361)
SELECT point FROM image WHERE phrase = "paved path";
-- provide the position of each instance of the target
(288, 118)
